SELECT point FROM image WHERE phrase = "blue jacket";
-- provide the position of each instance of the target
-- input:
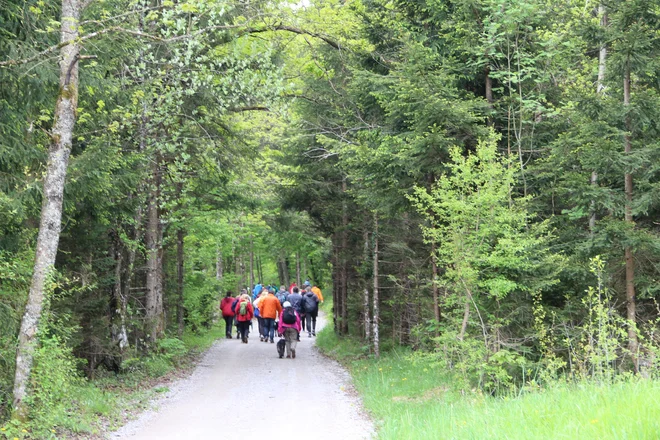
(257, 289)
(282, 295)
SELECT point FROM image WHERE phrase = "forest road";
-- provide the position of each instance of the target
(245, 391)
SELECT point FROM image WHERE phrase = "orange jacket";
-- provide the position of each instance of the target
(270, 307)
(316, 291)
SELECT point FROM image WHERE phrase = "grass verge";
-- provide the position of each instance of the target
(410, 400)
(91, 408)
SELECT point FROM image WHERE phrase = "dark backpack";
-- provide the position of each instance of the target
(309, 305)
(289, 316)
(243, 310)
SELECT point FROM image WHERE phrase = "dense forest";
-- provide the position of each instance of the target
(478, 180)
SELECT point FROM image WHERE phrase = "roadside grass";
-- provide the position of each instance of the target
(109, 401)
(409, 400)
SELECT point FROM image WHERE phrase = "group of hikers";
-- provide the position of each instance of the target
(287, 312)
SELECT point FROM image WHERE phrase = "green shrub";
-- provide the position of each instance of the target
(172, 349)
(157, 366)
(53, 376)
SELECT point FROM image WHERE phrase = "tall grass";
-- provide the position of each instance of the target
(415, 401)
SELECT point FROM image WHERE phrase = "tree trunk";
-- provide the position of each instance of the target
(218, 264)
(260, 272)
(179, 279)
(244, 275)
(51, 209)
(436, 302)
(489, 94)
(315, 273)
(298, 270)
(283, 270)
(344, 262)
(367, 313)
(118, 327)
(600, 88)
(489, 88)
(376, 292)
(602, 55)
(466, 317)
(237, 269)
(287, 275)
(630, 263)
(336, 296)
(251, 263)
(154, 293)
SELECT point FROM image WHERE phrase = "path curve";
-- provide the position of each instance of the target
(246, 391)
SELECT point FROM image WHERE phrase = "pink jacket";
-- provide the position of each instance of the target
(282, 325)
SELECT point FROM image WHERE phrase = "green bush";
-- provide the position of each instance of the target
(53, 376)
(172, 349)
(157, 366)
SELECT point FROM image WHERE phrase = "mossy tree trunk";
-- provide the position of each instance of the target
(154, 323)
(51, 210)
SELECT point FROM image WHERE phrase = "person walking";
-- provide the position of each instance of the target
(296, 302)
(227, 313)
(282, 295)
(257, 313)
(289, 326)
(244, 313)
(311, 308)
(317, 291)
(256, 290)
(233, 307)
(269, 309)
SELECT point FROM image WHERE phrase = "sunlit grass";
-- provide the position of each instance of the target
(415, 401)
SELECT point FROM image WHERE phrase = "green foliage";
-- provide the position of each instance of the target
(603, 334)
(172, 349)
(420, 399)
(342, 349)
(274, 131)
(15, 272)
(485, 236)
(54, 376)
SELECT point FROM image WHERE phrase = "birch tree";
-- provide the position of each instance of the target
(51, 211)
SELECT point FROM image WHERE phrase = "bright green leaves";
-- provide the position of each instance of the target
(484, 236)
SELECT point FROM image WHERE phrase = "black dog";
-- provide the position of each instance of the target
(281, 345)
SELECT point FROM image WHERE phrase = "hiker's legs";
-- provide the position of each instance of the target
(314, 323)
(272, 329)
(308, 319)
(243, 327)
(228, 324)
(290, 336)
(269, 328)
(260, 321)
(302, 321)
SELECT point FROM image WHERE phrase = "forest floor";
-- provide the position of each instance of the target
(248, 391)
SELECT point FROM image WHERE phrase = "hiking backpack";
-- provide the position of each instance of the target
(309, 305)
(288, 316)
(243, 310)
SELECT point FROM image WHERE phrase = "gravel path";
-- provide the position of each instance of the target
(246, 391)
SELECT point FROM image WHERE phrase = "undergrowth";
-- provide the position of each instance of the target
(412, 399)
(65, 405)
